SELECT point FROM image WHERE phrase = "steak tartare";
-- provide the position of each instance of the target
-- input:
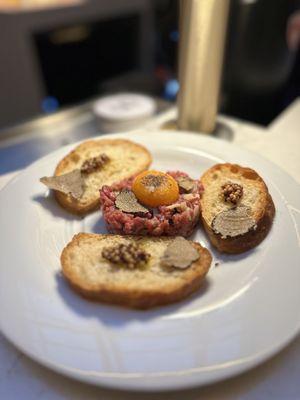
(177, 219)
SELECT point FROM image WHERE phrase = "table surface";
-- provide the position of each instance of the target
(276, 379)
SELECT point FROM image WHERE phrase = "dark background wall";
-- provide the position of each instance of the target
(55, 59)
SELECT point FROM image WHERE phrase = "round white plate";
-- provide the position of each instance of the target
(247, 310)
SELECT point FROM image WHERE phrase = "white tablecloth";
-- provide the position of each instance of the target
(277, 379)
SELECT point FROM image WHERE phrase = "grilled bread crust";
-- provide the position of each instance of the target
(95, 278)
(255, 195)
(126, 159)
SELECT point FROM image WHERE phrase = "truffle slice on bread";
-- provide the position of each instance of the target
(237, 210)
(101, 162)
(134, 271)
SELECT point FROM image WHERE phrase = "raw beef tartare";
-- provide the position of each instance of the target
(126, 214)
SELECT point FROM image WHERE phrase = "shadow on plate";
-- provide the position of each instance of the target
(98, 226)
(116, 315)
(230, 258)
(93, 222)
(49, 203)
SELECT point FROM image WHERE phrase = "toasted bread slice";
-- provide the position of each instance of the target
(255, 196)
(96, 278)
(126, 159)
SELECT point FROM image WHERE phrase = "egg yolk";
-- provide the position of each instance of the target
(154, 188)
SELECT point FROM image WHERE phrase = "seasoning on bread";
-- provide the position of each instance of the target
(99, 162)
(129, 255)
(237, 210)
(135, 275)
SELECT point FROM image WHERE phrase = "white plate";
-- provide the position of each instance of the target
(247, 310)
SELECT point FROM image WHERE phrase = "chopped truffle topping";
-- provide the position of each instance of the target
(232, 192)
(127, 202)
(71, 183)
(94, 163)
(130, 255)
(234, 222)
(180, 253)
(152, 182)
(186, 184)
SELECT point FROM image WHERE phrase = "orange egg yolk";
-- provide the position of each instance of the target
(154, 188)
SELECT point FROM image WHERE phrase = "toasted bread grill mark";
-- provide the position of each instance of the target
(126, 159)
(255, 195)
(96, 278)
